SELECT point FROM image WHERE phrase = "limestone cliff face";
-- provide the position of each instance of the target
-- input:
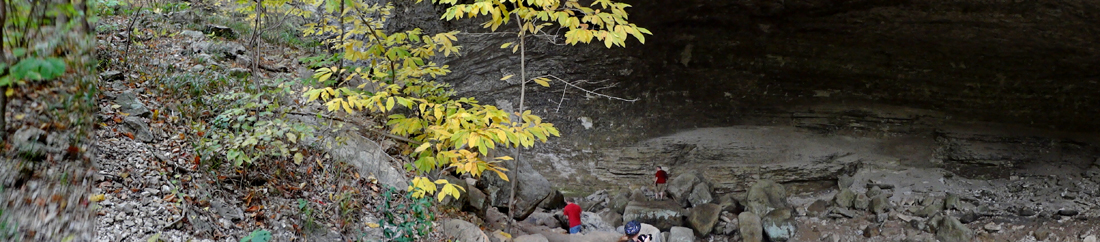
(717, 63)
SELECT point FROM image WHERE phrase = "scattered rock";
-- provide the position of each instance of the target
(730, 204)
(871, 231)
(779, 225)
(844, 181)
(880, 185)
(221, 31)
(239, 72)
(1068, 212)
(1024, 211)
(968, 217)
(951, 202)
(861, 202)
(950, 229)
(751, 228)
(110, 75)
(701, 194)
(681, 186)
(817, 208)
(732, 226)
(195, 35)
(932, 206)
(839, 212)
(30, 142)
(1041, 234)
(844, 198)
(874, 191)
(703, 218)
(227, 50)
(139, 129)
(766, 195)
(680, 234)
(992, 227)
(1089, 238)
(463, 231)
(663, 214)
(129, 103)
(880, 204)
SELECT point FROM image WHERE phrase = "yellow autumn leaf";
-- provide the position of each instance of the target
(97, 198)
(422, 147)
(506, 77)
(542, 81)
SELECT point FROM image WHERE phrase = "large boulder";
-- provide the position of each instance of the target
(681, 186)
(845, 198)
(931, 207)
(779, 225)
(663, 214)
(463, 198)
(594, 222)
(703, 218)
(701, 194)
(477, 201)
(751, 229)
(729, 203)
(555, 201)
(619, 201)
(880, 204)
(765, 196)
(949, 229)
(594, 202)
(652, 230)
(612, 218)
(680, 234)
(543, 219)
(461, 230)
(531, 189)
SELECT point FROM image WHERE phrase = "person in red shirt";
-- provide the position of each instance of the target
(659, 182)
(573, 211)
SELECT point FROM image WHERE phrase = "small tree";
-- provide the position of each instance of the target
(603, 20)
(452, 133)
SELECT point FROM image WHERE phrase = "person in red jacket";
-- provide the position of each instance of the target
(659, 182)
(573, 211)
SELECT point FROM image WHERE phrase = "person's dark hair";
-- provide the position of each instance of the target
(570, 199)
(632, 228)
(659, 167)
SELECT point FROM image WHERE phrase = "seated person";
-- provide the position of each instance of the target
(633, 231)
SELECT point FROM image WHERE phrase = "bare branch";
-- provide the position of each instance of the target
(593, 92)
